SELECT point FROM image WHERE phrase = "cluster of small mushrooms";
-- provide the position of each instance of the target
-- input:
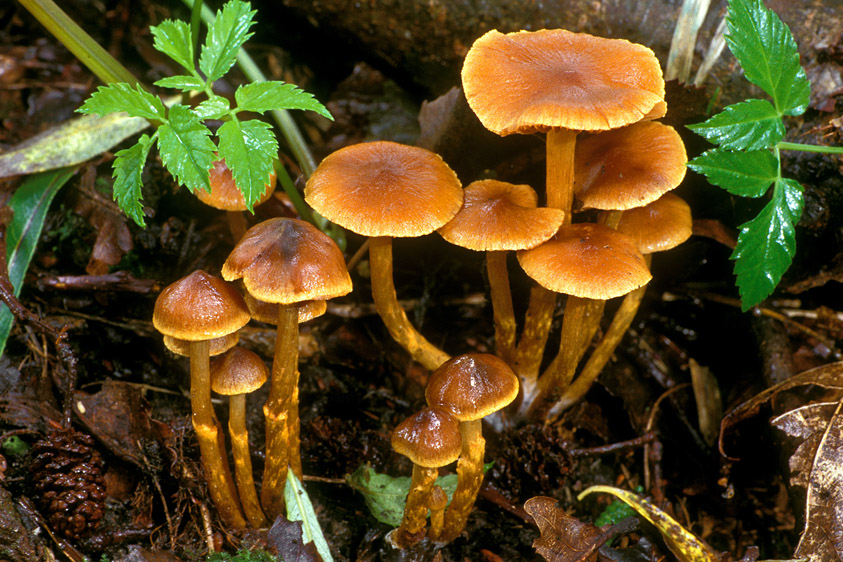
(624, 165)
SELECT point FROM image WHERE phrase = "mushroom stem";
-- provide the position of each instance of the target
(237, 224)
(412, 526)
(393, 316)
(211, 440)
(580, 322)
(602, 353)
(281, 413)
(469, 479)
(611, 218)
(504, 316)
(243, 461)
(537, 321)
(438, 503)
(560, 170)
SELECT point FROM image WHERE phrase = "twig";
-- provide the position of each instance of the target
(644, 440)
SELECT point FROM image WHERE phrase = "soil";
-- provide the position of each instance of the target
(95, 277)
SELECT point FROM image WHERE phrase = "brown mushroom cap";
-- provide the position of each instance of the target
(239, 371)
(527, 82)
(199, 307)
(659, 226)
(217, 345)
(385, 189)
(628, 167)
(472, 386)
(268, 311)
(224, 194)
(501, 216)
(287, 261)
(430, 438)
(587, 260)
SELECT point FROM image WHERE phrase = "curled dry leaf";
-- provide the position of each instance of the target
(709, 405)
(564, 538)
(817, 466)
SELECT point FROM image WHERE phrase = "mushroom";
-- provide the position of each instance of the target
(591, 263)
(197, 309)
(430, 438)
(236, 374)
(438, 503)
(385, 190)
(470, 386)
(285, 261)
(496, 217)
(225, 195)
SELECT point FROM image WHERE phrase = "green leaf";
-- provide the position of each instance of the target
(266, 96)
(299, 508)
(225, 36)
(748, 125)
(186, 148)
(767, 243)
(248, 148)
(128, 167)
(747, 174)
(214, 107)
(120, 96)
(181, 82)
(766, 50)
(173, 39)
(30, 204)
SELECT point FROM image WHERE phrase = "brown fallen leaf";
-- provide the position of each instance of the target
(113, 239)
(285, 538)
(817, 466)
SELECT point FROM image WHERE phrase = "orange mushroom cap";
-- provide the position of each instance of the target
(287, 261)
(501, 216)
(527, 82)
(588, 261)
(267, 312)
(628, 167)
(199, 307)
(224, 194)
(217, 345)
(472, 386)
(430, 438)
(663, 224)
(239, 371)
(385, 189)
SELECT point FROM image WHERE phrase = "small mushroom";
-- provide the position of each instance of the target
(236, 374)
(431, 439)
(471, 387)
(385, 190)
(197, 309)
(438, 503)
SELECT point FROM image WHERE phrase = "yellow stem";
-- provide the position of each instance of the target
(243, 461)
(503, 314)
(469, 479)
(412, 526)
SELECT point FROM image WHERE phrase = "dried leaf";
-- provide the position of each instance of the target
(286, 538)
(681, 542)
(817, 465)
(707, 396)
(826, 376)
(563, 538)
(113, 238)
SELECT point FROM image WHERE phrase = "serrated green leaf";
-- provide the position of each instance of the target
(30, 204)
(768, 54)
(186, 148)
(299, 508)
(266, 96)
(173, 39)
(214, 107)
(748, 174)
(767, 243)
(181, 82)
(248, 148)
(225, 36)
(120, 96)
(748, 125)
(128, 167)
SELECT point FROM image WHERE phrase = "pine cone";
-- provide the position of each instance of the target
(67, 476)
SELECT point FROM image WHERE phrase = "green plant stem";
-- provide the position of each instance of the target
(809, 147)
(78, 42)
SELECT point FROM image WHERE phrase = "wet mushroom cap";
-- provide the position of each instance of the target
(472, 386)
(628, 167)
(430, 438)
(224, 194)
(285, 260)
(659, 226)
(217, 345)
(501, 216)
(199, 307)
(588, 261)
(239, 371)
(525, 82)
(385, 189)
(267, 312)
